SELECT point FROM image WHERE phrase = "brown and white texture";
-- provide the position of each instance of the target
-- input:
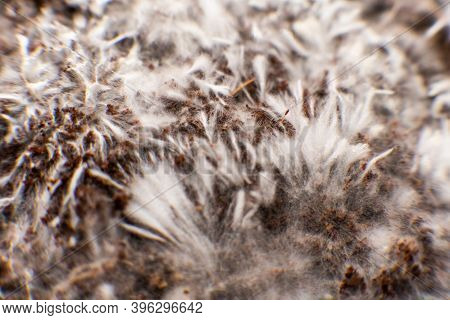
(225, 149)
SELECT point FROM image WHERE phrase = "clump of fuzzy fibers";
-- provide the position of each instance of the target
(224, 149)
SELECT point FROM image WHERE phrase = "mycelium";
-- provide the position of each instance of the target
(224, 149)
